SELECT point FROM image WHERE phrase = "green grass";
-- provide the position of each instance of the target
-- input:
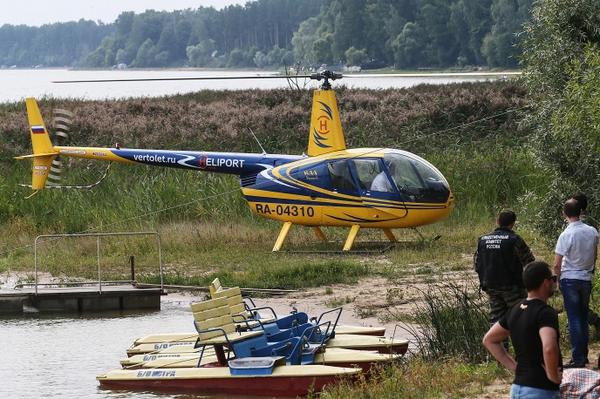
(421, 379)
(336, 302)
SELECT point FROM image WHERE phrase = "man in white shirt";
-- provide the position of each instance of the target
(574, 262)
(381, 182)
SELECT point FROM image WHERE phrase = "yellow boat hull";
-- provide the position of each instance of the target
(338, 357)
(191, 336)
(347, 341)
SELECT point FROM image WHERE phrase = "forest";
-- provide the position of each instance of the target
(405, 34)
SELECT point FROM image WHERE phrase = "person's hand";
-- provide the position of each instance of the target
(559, 379)
(556, 378)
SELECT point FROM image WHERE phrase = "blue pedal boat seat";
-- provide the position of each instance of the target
(215, 327)
(319, 335)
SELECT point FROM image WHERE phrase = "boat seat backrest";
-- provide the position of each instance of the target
(234, 299)
(215, 286)
(211, 314)
(208, 304)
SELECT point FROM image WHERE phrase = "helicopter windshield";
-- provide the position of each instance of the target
(416, 179)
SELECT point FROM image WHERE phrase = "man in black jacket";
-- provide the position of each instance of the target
(499, 261)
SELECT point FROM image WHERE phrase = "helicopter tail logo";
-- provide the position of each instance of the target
(43, 150)
(326, 133)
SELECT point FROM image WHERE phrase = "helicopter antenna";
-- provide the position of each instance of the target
(257, 140)
(290, 80)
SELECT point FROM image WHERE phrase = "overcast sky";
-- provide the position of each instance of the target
(39, 12)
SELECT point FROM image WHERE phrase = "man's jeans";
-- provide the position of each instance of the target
(576, 295)
(524, 392)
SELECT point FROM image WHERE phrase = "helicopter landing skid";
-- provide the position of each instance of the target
(361, 247)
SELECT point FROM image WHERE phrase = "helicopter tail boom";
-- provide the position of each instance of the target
(217, 162)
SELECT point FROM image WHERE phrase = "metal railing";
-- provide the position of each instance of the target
(98, 236)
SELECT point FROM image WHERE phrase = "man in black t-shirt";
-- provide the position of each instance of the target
(533, 328)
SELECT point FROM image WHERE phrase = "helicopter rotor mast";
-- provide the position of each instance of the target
(326, 76)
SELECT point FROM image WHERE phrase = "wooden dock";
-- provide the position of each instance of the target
(79, 299)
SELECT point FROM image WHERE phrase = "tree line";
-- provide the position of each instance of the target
(263, 33)
(58, 44)
(414, 33)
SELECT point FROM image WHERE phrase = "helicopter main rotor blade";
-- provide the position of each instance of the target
(186, 78)
(431, 74)
(318, 76)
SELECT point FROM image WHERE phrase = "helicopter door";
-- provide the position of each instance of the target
(341, 178)
(373, 179)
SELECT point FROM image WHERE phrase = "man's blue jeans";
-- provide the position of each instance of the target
(576, 295)
(523, 392)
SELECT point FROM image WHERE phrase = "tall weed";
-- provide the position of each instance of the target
(452, 321)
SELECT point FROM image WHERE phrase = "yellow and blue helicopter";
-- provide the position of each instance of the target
(330, 185)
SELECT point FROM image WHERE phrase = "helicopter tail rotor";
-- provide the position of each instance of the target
(47, 166)
(61, 122)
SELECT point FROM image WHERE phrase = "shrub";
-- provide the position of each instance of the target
(562, 69)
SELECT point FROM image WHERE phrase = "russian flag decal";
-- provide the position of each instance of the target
(38, 129)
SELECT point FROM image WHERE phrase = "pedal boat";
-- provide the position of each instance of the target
(258, 367)
(247, 319)
(340, 329)
(337, 357)
(348, 341)
(249, 377)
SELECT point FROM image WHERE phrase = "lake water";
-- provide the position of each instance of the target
(17, 84)
(59, 356)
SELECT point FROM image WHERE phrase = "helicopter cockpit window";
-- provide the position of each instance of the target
(341, 179)
(371, 176)
(416, 179)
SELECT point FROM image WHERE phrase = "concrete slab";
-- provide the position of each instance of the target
(99, 303)
(12, 304)
(141, 302)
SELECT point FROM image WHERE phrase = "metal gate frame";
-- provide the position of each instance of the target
(98, 236)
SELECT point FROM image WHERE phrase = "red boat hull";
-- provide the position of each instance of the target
(398, 349)
(250, 386)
